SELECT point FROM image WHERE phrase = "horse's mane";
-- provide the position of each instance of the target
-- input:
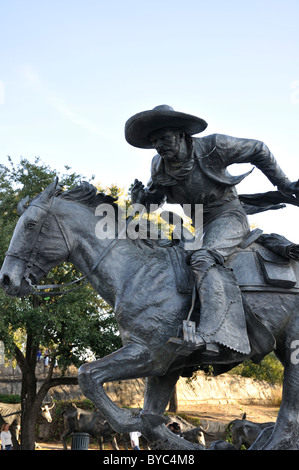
(87, 194)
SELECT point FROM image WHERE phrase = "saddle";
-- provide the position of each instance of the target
(267, 263)
(261, 263)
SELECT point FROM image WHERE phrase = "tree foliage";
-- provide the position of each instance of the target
(73, 326)
(269, 369)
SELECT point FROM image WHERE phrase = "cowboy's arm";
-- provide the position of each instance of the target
(237, 150)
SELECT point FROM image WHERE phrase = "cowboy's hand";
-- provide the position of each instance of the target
(137, 192)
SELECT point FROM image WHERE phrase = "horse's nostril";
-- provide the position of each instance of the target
(5, 280)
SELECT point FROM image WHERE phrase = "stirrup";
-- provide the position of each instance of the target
(187, 343)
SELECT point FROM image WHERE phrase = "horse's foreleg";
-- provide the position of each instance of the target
(131, 361)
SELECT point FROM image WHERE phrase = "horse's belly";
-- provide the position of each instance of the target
(153, 319)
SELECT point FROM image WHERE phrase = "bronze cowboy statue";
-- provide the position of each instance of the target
(192, 170)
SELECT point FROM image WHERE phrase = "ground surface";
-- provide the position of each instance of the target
(228, 412)
(220, 413)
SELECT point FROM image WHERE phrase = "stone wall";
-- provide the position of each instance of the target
(10, 382)
(223, 389)
(191, 394)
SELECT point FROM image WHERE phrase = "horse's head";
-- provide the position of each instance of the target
(37, 244)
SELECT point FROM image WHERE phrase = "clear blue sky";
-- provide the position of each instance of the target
(72, 72)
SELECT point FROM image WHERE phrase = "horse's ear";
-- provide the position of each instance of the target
(49, 192)
(22, 206)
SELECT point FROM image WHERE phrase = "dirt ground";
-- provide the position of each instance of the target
(221, 413)
(228, 412)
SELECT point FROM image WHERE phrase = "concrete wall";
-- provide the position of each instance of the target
(10, 382)
(191, 394)
(223, 389)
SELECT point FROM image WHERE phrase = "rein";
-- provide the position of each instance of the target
(94, 266)
(29, 265)
(56, 286)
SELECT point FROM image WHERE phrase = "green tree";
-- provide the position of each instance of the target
(72, 326)
(269, 369)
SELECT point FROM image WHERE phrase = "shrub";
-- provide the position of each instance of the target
(10, 398)
(269, 369)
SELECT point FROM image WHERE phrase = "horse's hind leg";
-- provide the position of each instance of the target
(158, 391)
(129, 362)
(285, 435)
(157, 395)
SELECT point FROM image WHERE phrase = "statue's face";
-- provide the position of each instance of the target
(167, 142)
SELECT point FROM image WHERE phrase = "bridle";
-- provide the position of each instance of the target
(37, 289)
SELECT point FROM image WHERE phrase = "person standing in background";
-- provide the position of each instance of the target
(6, 437)
(134, 436)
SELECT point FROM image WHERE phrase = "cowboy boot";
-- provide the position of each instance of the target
(222, 319)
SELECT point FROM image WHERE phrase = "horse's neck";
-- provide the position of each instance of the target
(123, 261)
(110, 275)
(107, 277)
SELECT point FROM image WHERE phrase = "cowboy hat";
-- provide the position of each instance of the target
(139, 126)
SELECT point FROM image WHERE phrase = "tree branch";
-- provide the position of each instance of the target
(20, 358)
(63, 381)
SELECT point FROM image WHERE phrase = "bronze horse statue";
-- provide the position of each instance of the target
(149, 288)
